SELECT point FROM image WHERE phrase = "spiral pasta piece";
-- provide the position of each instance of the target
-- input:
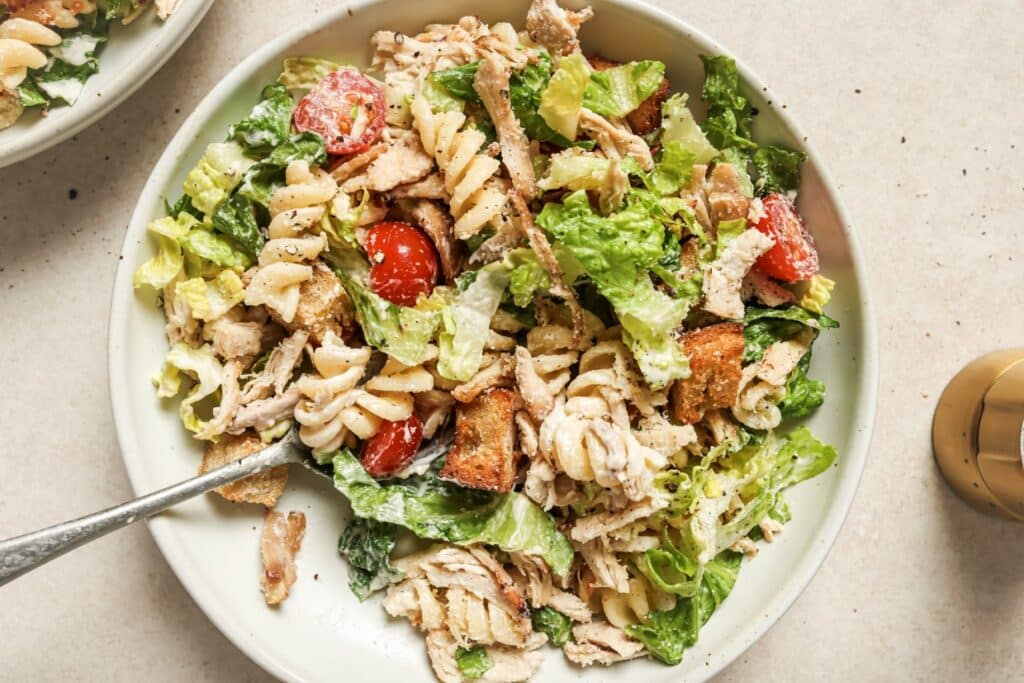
(301, 203)
(476, 200)
(18, 51)
(337, 410)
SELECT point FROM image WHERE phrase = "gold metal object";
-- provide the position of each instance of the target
(978, 433)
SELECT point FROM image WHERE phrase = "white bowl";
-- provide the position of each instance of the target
(322, 632)
(132, 54)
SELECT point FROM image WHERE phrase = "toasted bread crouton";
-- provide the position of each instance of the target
(263, 488)
(324, 306)
(647, 117)
(716, 355)
(484, 456)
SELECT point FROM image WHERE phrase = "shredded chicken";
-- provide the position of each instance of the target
(404, 162)
(608, 571)
(601, 643)
(725, 200)
(433, 220)
(230, 400)
(697, 197)
(430, 187)
(414, 600)
(615, 139)
(766, 290)
(264, 413)
(654, 431)
(499, 373)
(723, 279)
(234, 338)
(542, 248)
(277, 372)
(492, 84)
(358, 163)
(507, 236)
(534, 391)
(769, 528)
(763, 385)
(601, 524)
(508, 665)
(554, 27)
(164, 8)
(281, 539)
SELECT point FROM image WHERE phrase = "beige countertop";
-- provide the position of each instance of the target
(915, 111)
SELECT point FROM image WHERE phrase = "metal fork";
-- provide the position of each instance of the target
(24, 553)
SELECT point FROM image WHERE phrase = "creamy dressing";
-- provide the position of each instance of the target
(76, 50)
(68, 89)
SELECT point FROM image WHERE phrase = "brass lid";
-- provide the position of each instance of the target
(978, 433)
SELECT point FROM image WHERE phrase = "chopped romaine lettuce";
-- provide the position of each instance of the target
(168, 262)
(434, 509)
(762, 327)
(473, 663)
(399, 331)
(679, 126)
(458, 81)
(268, 124)
(617, 252)
(210, 299)
(525, 280)
(621, 89)
(219, 171)
(467, 322)
(673, 168)
(562, 99)
(200, 364)
(367, 545)
(235, 218)
(215, 249)
(818, 294)
(803, 394)
(577, 169)
(263, 178)
(555, 625)
(778, 170)
(667, 633)
(303, 73)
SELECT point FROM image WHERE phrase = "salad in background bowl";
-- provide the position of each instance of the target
(57, 72)
(612, 305)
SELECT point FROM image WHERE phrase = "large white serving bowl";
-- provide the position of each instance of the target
(322, 632)
(131, 56)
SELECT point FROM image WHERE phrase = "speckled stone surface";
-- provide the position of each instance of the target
(914, 108)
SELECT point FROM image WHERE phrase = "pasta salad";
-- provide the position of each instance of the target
(493, 234)
(49, 48)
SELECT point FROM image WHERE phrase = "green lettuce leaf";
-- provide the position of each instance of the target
(169, 260)
(236, 219)
(120, 9)
(435, 509)
(555, 625)
(219, 171)
(621, 89)
(803, 394)
(399, 331)
(263, 178)
(202, 366)
(562, 99)
(268, 124)
(31, 95)
(527, 279)
(303, 73)
(214, 248)
(617, 252)
(667, 633)
(730, 115)
(778, 169)
(367, 545)
(467, 322)
(673, 168)
(458, 81)
(762, 327)
(473, 663)
(210, 299)
(679, 126)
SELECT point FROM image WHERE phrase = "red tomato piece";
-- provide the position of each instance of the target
(391, 449)
(403, 262)
(346, 109)
(793, 258)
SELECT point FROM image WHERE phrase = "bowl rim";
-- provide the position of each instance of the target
(151, 57)
(861, 427)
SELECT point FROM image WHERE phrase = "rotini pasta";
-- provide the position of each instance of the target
(18, 54)
(336, 410)
(476, 200)
(300, 205)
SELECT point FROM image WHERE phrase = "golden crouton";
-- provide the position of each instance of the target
(484, 456)
(263, 488)
(716, 355)
(324, 306)
(647, 117)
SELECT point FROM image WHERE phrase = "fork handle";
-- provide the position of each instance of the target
(23, 553)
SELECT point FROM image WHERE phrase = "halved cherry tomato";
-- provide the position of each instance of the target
(403, 262)
(346, 109)
(391, 449)
(793, 258)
